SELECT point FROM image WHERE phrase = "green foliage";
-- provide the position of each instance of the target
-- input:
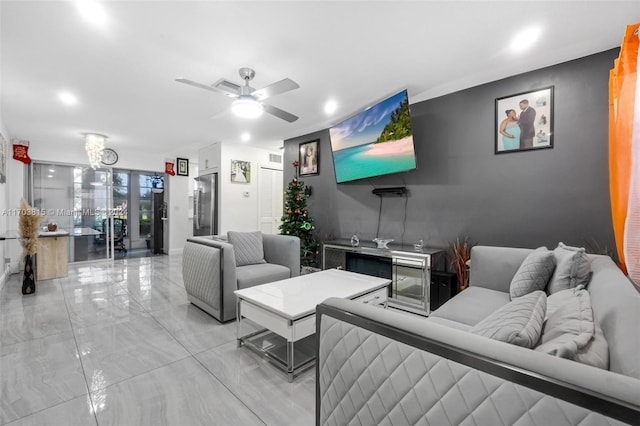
(297, 222)
(400, 125)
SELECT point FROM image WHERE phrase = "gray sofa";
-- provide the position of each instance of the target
(377, 366)
(212, 268)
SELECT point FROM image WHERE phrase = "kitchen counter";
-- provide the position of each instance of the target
(52, 259)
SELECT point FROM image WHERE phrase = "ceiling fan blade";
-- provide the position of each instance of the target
(276, 88)
(287, 116)
(200, 85)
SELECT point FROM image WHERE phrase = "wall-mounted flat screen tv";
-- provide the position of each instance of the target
(374, 142)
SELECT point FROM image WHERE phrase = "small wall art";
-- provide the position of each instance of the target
(240, 171)
(524, 121)
(182, 166)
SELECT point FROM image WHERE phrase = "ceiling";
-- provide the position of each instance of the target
(355, 53)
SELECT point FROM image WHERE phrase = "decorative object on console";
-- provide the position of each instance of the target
(297, 222)
(183, 166)
(382, 243)
(29, 229)
(52, 227)
(418, 246)
(524, 121)
(460, 253)
(308, 156)
(355, 241)
(94, 145)
(377, 141)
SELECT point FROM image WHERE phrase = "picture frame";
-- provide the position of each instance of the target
(182, 166)
(308, 156)
(240, 171)
(515, 132)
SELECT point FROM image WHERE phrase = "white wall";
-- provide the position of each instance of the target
(177, 192)
(238, 202)
(4, 203)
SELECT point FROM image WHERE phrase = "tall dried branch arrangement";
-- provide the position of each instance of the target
(29, 226)
(460, 253)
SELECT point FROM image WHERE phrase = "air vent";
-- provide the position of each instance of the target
(275, 158)
(229, 87)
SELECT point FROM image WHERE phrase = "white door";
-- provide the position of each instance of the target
(270, 200)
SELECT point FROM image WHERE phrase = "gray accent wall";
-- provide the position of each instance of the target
(462, 188)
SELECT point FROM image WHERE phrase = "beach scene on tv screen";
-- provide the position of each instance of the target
(375, 142)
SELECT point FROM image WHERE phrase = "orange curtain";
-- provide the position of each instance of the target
(624, 153)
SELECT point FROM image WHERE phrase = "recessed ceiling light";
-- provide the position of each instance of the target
(67, 98)
(330, 107)
(525, 39)
(52, 171)
(92, 11)
(49, 176)
(245, 137)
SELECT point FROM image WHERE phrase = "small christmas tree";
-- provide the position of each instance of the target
(297, 222)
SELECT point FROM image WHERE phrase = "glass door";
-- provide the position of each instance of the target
(79, 200)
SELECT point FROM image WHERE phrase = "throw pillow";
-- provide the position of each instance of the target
(557, 299)
(533, 274)
(572, 268)
(518, 322)
(571, 331)
(247, 247)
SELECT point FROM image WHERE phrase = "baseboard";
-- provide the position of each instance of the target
(175, 252)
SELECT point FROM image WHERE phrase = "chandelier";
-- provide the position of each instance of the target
(94, 145)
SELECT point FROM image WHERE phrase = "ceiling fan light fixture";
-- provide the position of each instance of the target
(247, 107)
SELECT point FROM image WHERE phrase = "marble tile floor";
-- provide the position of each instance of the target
(119, 344)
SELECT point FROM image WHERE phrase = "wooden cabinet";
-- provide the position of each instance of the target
(209, 159)
(52, 260)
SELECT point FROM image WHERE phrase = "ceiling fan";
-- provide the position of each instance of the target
(249, 102)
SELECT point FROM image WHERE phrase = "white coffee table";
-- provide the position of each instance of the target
(287, 309)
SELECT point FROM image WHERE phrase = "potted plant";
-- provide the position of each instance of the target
(29, 227)
(460, 258)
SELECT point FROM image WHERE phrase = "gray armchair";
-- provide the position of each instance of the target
(211, 273)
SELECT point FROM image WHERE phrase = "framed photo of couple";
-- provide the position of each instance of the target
(524, 121)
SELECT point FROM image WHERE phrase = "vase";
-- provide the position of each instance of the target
(29, 276)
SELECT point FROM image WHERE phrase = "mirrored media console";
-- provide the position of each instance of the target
(409, 269)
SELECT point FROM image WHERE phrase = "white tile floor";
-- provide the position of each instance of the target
(119, 344)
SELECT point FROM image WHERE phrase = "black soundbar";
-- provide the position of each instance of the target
(397, 191)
